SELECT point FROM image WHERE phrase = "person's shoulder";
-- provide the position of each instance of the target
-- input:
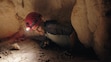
(51, 21)
(48, 22)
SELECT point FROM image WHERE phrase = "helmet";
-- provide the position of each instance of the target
(33, 19)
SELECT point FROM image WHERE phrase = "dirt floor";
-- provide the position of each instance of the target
(30, 51)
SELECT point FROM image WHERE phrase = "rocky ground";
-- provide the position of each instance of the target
(30, 51)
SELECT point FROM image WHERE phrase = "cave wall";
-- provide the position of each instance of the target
(8, 22)
(89, 19)
(92, 25)
(13, 12)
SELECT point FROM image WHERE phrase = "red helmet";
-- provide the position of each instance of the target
(33, 19)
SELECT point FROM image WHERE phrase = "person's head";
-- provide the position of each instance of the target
(33, 21)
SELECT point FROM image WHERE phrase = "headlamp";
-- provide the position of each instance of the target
(28, 28)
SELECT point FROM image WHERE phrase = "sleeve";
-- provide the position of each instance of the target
(39, 38)
(58, 29)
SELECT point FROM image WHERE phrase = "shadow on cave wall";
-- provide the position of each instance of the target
(59, 10)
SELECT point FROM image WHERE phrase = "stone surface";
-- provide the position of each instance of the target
(8, 22)
(15, 46)
(31, 52)
(92, 26)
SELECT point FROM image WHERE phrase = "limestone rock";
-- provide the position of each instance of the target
(15, 46)
(92, 26)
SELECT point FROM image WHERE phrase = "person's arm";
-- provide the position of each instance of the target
(64, 30)
(38, 38)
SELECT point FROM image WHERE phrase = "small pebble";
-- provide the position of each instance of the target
(15, 46)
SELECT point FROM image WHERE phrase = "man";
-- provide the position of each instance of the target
(50, 31)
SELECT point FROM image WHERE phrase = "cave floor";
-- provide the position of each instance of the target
(30, 51)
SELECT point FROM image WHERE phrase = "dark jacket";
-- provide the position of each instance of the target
(55, 28)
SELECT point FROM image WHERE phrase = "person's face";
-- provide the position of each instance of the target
(38, 29)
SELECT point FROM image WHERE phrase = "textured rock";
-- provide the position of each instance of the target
(8, 22)
(15, 46)
(92, 26)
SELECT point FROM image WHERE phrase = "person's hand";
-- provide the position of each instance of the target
(39, 30)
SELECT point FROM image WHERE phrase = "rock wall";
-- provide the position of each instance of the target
(92, 25)
(13, 12)
(8, 21)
